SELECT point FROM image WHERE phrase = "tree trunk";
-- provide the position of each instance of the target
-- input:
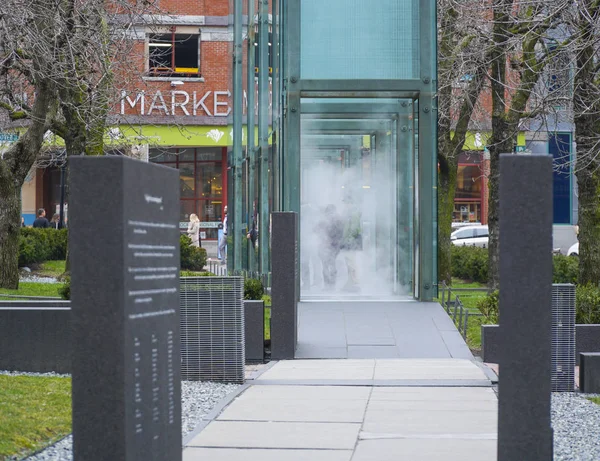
(10, 221)
(589, 226)
(446, 192)
(585, 104)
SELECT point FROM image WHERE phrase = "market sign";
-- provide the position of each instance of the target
(178, 102)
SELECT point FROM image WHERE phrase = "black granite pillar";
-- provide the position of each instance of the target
(284, 286)
(124, 243)
(524, 427)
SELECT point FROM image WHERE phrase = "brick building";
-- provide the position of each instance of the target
(172, 106)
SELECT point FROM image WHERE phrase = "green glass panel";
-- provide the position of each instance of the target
(356, 39)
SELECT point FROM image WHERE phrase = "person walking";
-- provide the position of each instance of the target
(193, 230)
(331, 232)
(41, 222)
(55, 221)
(223, 241)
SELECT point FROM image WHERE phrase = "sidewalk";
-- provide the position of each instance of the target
(356, 410)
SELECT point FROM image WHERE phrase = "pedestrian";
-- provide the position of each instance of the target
(55, 221)
(223, 241)
(193, 230)
(22, 221)
(41, 222)
(331, 232)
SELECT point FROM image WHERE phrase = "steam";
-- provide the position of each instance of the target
(361, 196)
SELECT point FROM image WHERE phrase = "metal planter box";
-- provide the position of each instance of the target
(212, 329)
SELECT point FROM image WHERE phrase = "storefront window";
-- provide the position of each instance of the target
(200, 183)
(469, 182)
(467, 212)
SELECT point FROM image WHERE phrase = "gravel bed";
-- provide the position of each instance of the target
(197, 400)
(576, 423)
(37, 279)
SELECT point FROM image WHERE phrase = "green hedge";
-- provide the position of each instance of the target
(471, 263)
(192, 257)
(253, 289)
(39, 245)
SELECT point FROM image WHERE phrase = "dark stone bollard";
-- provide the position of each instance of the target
(254, 329)
(284, 289)
(124, 241)
(524, 425)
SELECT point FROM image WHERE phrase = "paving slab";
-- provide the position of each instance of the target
(438, 422)
(330, 411)
(417, 329)
(357, 352)
(236, 434)
(307, 393)
(426, 450)
(433, 394)
(227, 454)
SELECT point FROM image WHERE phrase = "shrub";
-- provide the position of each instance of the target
(253, 289)
(470, 263)
(587, 299)
(39, 245)
(489, 307)
(195, 274)
(192, 257)
(65, 290)
(565, 269)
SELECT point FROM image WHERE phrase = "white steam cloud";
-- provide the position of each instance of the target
(354, 227)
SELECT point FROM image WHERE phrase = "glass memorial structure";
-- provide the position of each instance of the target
(334, 117)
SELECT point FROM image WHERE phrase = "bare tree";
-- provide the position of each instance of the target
(64, 56)
(526, 36)
(461, 79)
(585, 28)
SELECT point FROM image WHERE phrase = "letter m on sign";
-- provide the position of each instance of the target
(139, 98)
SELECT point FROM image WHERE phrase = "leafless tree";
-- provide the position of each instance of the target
(59, 60)
(461, 80)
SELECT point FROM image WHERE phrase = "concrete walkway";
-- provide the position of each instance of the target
(377, 329)
(355, 410)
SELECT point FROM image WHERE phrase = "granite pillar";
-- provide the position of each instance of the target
(525, 317)
(124, 243)
(284, 286)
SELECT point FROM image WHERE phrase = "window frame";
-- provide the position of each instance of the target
(171, 73)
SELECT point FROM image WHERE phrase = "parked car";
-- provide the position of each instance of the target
(456, 225)
(573, 250)
(471, 236)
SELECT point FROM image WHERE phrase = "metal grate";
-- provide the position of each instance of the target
(563, 337)
(212, 329)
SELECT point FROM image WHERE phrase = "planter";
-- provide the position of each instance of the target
(587, 339)
(254, 328)
(35, 336)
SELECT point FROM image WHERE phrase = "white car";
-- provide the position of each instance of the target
(573, 250)
(471, 236)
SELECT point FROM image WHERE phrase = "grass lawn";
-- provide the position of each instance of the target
(267, 300)
(51, 269)
(596, 400)
(33, 289)
(34, 412)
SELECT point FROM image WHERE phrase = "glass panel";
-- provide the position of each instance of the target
(469, 182)
(162, 155)
(204, 154)
(353, 176)
(355, 39)
(186, 180)
(209, 180)
(186, 155)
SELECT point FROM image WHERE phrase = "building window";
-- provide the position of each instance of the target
(200, 184)
(469, 182)
(173, 55)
